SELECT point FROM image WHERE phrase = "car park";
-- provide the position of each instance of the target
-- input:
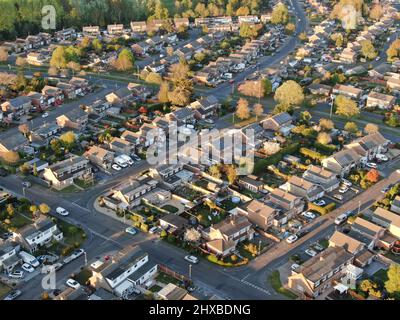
(192, 259)
(19, 274)
(73, 284)
(28, 268)
(61, 211)
(292, 238)
(13, 295)
(319, 202)
(131, 230)
(311, 252)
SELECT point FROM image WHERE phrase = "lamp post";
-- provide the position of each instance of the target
(359, 207)
(190, 271)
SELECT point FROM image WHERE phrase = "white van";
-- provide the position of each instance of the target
(127, 158)
(121, 162)
(28, 258)
(340, 219)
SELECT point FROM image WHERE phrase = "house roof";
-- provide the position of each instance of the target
(40, 225)
(346, 156)
(221, 245)
(232, 225)
(366, 227)
(281, 118)
(255, 207)
(282, 195)
(323, 263)
(347, 89)
(75, 114)
(387, 216)
(182, 113)
(19, 101)
(62, 165)
(300, 183)
(370, 141)
(97, 151)
(174, 220)
(172, 292)
(320, 172)
(342, 240)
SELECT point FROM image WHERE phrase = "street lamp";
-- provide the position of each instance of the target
(359, 207)
(84, 254)
(190, 271)
(23, 191)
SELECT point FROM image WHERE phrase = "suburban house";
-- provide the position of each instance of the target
(388, 220)
(41, 232)
(172, 292)
(139, 26)
(347, 91)
(9, 258)
(173, 223)
(18, 106)
(351, 245)
(68, 90)
(206, 107)
(250, 182)
(395, 206)
(342, 162)
(123, 272)
(181, 115)
(178, 22)
(369, 146)
(165, 171)
(225, 235)
(35, 58)
(281, 122)
(304, 188)
(121, 146)
(393, 83)
(367, 232)
(75, 119)
(52, 95)
(323, 177)
(115, 29)
(320, 89)
(81, 85)
(259, 214)
(316, 275)
(91, 31)
(348, 56)
(37, 99)
(380, 100)
(287, 201)
(63, 173)
(139, 90)
(122, 95)
(101, 157)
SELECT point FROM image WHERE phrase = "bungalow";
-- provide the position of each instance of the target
(173, 223)
(251, 183)
(115, 29)
(387, 219)
(75, 119)
(281, 122)
(347, 91)
(304, 188)
(287, 201)
(342, 162)
(181, 115)
(100, 157)
(138, 26)
(225, 235)
(63, 173)
(36, 235)
(395, 206)
(52, 95)
(178, 22)
(121, 146)
(9, 258)
(316, 275)
(17, 106)
(380, 100)
(259, 214)
(165, 171)
(369, 146)
(123, 272)
(323, 177)
(320, 89)
(206, 107)
(91, 31)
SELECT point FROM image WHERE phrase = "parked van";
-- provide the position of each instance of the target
(121, 162)
(341, 219)
(127, 158)
(28, 258)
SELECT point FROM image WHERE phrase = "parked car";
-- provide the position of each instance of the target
(318, 247)
(308, 215)
(153, 230)
(28, 268)
(13, 295)
(311, 252)
(45, 115)
(343, 189)
(292, 238)
(62, 212)
(341, 219)
(192, 259)
(16, 274)
(135, 157)
(319, 202)
(116, 167)
(77, 253)
(294, 266)
(26, 184)
(371, 165)
(382, 157)
(347, 182)
(73, 284)
(131, 230)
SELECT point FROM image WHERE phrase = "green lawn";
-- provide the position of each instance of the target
(381, 276)
(83, 276)
(276, 284)
(165, 278)
(4, 290)
(18, 221)
(170, 208)
(155, 288)
(72, 235)
(394, 257)
(70, 189)
(202, 213)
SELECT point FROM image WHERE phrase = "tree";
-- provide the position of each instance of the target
(10, 209)
(392, 285)
(290, 28)
(267, 86)
(192, 235)
(249, 30)
(68, 139)
(368, 50)
(58, 58)
(44, 208)
(75, 66)
(24, 129)
(371, 128)
(231, 173)
(97, 45)
(179, 96)
(20, 62)
(258, 110)
(214, 171)
(33, 209)
(280, 14)
(305, 116)
(53, 71)
(242, 109)
(351, 127)
(243, 11)
(394, 50)
(324, 138)
(153, 77)
(338, 39)
(346, 107)
(163, 234)
(3, 54)
(170, 51)
(125, 60)
(290, 93)
(376, 12)
(326, 124)
(163, 92)
(303, 36)
(372, 175)
(11, 157)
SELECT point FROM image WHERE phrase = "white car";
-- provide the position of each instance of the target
(340, 219)
(343, 189)
(116, 167)
(77, 253)
(347, 183)
(319, 202)
(73, 284)
(62, 212)
(294, 266)
(292, 238)
(308, 215)
(311, 252)
(16, 275)
(28, 268)
(382, 157)
(192, 259)
(45, 115)
(153, 230)
(372, 165)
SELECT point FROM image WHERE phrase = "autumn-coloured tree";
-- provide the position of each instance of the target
(242, 109)
(371, 128)
(24, 129)
(290, 93)
(44, 208)
(231, 173)
(163, 92)
(215, 171)
(324, 138)
(258, 110)
(376, 12)
(326, 124)
(346, 107)
(372, 176)
(3, 54)
(11, 157)
(192, 235)
(351, 127)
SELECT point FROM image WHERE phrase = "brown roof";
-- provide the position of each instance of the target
(232, 225)
(340, 239)
(300, 182)
(220, 245)
(96, 151)
(387, 216)
(320, 171)
(366, 226)
(259, 208)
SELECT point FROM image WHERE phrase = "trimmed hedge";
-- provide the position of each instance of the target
(325, 148)
(314, 155)
(261, 165)
(322, 210)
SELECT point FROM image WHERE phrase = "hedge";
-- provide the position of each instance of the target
(315, 155)
(326, 148)
(322, 210)
(262, 164)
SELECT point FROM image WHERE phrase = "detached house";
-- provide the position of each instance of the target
(206, 107)
(121, 146)
(258, 213)
(178, 22)
(63, 173)
(115, 29)
(287, 201)
(342, 162)
(38, 234)
(351, 245)
(347, 91)
(395, 206)
(101, 157)
(369, 146)
(52, 95)
(323, 177)
(75, 119)
(393, 83)
(181, 115)
(9, 258)
(122, 95)
(138, 26)
(388, 220)
(281, 122)
(225, 235)
(91, 31)
(17, 106)
(380, 100)
(304, 188)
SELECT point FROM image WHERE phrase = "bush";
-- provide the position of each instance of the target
(144, 227)
(325, 148)
(314, 155)
(321, 210)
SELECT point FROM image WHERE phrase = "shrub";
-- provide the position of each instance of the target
(322, 210)
(314, 155)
